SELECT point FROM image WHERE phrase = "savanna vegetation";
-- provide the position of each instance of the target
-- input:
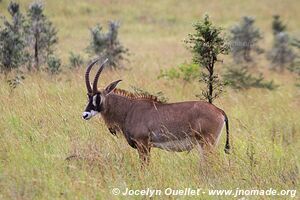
(40, 120)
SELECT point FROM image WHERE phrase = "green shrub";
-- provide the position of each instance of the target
(241, 78)
(185, 72)
(75, 60)
(53, 64)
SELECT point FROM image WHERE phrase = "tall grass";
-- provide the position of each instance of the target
(41, 125)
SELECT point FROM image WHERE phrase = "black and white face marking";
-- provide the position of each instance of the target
(93, 107)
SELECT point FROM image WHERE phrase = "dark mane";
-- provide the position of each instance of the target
(131, 95)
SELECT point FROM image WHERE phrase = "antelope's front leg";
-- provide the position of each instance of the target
(143, 148)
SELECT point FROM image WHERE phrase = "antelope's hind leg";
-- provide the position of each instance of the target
(200, 150)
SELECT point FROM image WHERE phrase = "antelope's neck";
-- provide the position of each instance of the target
(116, 109)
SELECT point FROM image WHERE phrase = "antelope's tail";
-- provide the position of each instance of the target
(227, 145)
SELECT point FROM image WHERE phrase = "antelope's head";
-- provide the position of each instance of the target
(96, 98)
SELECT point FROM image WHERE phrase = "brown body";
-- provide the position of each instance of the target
(175, 127)
(146, 122)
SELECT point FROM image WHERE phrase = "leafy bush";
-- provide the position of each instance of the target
(107, 45)
(185, 72)
(53, 64)
(75, 60)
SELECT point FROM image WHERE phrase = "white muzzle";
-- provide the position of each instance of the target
(89, 115)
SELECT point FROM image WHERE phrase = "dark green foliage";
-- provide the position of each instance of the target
(107, 45)
(241, 78)
(160, 95)
(245, 38)
(53, 64)
(12, 40)
(277, 25)
(281, 54)
(75, 60)
(185, 72)
(41, 34)
(206, 45)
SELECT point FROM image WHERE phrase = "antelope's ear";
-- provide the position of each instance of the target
(111, 87)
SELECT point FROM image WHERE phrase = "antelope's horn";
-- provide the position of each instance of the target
(87, 75)
(98, 75)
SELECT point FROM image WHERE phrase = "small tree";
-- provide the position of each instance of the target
(244, 40)
(281, 54)
(277, 25)
(107, 45)
(41, 34)
(206, 45)
(12, 40)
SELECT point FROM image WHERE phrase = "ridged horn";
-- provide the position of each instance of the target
(87, 75)
(98, 75)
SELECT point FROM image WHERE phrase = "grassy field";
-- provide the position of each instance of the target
(41, 125)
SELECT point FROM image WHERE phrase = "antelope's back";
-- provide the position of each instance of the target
(179, 117)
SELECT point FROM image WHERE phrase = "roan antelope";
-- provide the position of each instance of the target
(146, 122)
